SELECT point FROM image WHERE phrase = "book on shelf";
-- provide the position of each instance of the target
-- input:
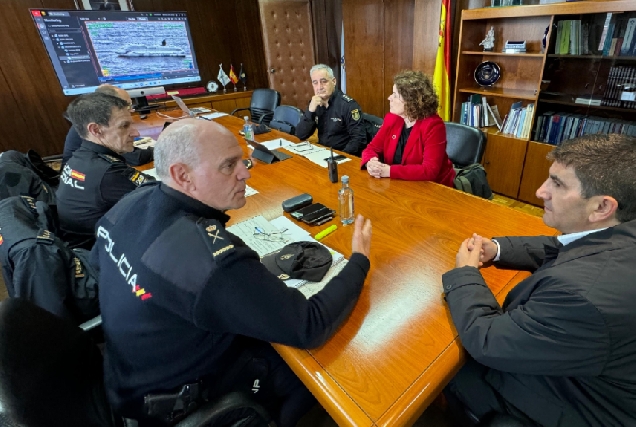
(554, 128)
(628, 37)
(476, 112)
(606, 26)
(619, 77)
(518, 120)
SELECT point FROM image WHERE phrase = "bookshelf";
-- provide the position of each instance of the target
(553, 80)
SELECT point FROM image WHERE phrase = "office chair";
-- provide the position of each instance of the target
(51, 374)
(286, 118)
(371, 125)
(464, 144)
(262, 105)
(38, 266)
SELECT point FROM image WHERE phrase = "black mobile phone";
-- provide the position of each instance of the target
(307, 210)
(315, 216)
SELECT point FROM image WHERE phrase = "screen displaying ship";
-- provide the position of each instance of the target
(134, 50)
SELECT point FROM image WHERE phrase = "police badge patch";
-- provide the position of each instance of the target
(355, 114)
(137, 178)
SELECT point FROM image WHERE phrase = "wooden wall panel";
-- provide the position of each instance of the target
(32, 102)
(425, 35)
(382, 38)
(364, 53)
(35, 94)
(398, 42)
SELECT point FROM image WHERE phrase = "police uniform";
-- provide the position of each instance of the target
(339, 126)
(136, 157)
(39, 267)
(183, 293)
(92, 181)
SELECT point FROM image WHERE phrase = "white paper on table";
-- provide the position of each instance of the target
(214, 115)
(199, 110)
(277, 143)
(245, 231)
(304, 148)
(319, 158)
(144, 143)
(295, 232)
(249, 191)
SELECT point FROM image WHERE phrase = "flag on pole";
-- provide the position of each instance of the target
(242, 75)
(222, 77)
(233, 77)
(441, 79)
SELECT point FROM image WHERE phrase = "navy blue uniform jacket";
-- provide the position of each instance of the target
(177, 288)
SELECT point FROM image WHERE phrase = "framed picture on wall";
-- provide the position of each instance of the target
(106, 5)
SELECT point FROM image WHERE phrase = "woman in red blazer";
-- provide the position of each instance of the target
(411, 144)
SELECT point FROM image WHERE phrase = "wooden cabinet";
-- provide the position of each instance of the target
(503, 161)
(555, 82)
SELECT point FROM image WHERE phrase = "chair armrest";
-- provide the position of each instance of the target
(230, 407)
(238, 109)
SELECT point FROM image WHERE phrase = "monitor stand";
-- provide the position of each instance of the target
(140, 102)
(140, 105)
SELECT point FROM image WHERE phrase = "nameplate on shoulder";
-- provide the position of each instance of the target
(111, 159)
(216, 238)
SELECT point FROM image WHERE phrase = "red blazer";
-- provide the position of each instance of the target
(424, 157)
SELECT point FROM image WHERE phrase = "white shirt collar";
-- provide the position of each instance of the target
(566, 239)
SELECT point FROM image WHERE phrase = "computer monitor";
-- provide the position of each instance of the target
(130, 50)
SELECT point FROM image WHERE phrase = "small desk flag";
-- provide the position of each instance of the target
(233, 77)
(222, 77)
(242, 75)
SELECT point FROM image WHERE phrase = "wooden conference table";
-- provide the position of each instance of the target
(399, 347)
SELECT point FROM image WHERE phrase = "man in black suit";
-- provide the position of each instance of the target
(561, 351)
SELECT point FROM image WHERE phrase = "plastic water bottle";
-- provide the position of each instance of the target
(248, 130)
(345, 199)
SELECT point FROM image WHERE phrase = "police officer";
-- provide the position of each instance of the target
(188, 305)
(336, 115)
(96, 176)
(74, 140)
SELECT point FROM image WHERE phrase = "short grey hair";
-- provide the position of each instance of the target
(319, 67)
(93, 108)
(108, 90)
(176, 145)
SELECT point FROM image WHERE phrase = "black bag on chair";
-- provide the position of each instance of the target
(472, 179)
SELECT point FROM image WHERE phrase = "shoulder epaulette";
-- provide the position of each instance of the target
(30, 202)
(347, 97)
(216, 238)
(45, 237)
(109, 158)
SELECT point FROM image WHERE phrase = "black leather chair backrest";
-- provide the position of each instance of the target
(371, 125)
(288, 114)
(464, 144)
(286, 118)
(50, 370)
(263, 104)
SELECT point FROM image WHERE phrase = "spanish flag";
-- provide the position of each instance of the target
(233, 77)
(77, 175)
(441, 80)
